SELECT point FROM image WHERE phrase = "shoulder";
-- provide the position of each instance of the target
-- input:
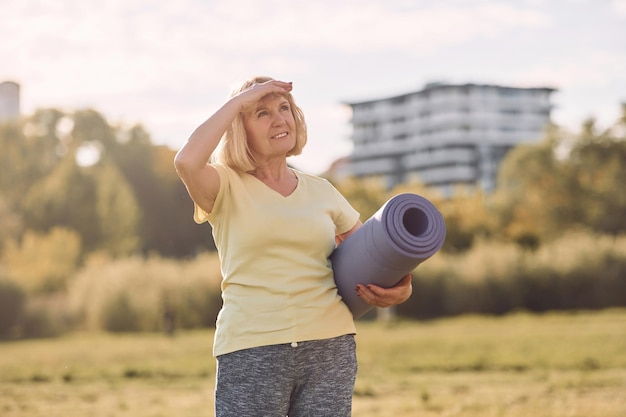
(321, 187)
(223, 170)
(228, 174)
(314, 180)
(231, 182)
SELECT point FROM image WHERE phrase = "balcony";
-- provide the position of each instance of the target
(367, 167)
(446, 175)
(439, 157)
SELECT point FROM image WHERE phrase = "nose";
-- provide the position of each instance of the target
(278, 118)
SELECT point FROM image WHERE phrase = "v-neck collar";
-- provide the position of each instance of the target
(298, 181)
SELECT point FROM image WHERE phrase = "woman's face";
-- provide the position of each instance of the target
(270, 127)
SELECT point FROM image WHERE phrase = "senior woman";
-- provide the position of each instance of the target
(284, 340)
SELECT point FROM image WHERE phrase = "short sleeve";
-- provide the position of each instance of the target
(346, 216)
(199, 214)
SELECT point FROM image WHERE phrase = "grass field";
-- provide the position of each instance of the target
(551, 365)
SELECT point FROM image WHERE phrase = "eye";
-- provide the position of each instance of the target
(285, 107)
(261, 113)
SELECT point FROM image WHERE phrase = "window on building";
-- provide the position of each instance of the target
(396, 101)
(509, 92)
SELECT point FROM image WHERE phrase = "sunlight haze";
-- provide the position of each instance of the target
(169, 65)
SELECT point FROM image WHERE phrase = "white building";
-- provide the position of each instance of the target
(445, 134)
(9, 100)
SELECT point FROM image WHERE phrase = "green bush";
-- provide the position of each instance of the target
(12, 305)
(153, 294)
(578, 271)
(40, 322)
(43, 262)
(118, 315)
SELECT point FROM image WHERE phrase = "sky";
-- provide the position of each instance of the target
(169, 65)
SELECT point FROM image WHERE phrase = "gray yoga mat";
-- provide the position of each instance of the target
(403, 233)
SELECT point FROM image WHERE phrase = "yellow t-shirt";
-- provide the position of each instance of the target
(278, 284)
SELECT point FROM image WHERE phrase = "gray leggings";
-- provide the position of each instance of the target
(314, 378)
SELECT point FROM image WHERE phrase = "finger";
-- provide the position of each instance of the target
(365, 293)
(256, 92)
(283, 84)
(277, 86)
(371, 297)
(282, 87)
(406, 279)
(389, 296)
(376, 290)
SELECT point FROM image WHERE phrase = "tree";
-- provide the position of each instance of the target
(565, 181)
(166, 225)
(598, 164)
(43, 262)
(29, 152)
(365, 195)
(528, 192)
(10, 221)
(66, 198)
(12, 306)
(467, 217)
(95, 201)
(117, 212)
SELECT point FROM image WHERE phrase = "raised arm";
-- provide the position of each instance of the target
(191, 161)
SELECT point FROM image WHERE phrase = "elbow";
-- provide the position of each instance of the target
(179, 162)
(187, 165)
(182, 163)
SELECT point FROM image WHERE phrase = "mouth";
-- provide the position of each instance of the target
(280, 135)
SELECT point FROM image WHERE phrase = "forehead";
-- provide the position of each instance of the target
(272, 98)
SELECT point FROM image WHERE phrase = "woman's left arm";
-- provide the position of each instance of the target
(374, 294)
(386, 297)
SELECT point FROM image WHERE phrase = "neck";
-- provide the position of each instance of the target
(275, 172)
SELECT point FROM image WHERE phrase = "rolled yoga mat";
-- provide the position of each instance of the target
(403, 233)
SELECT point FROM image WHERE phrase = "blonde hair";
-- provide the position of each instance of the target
(233, 150)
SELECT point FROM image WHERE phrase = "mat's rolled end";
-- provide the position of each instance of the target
(407, 230)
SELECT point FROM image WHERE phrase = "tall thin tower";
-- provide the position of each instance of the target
(9, 100)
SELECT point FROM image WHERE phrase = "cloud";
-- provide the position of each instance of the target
(359, 26)
(169, 64)
(596, 69)
(79, 51)
(619, 6)
(191, 35)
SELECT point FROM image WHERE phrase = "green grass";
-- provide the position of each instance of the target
(519, 365)
(550, 365)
